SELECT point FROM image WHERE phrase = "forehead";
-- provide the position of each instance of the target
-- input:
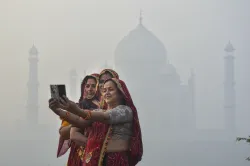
(105, 76)
(109, 84)
(91, 81)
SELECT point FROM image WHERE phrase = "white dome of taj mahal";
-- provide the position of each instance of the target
(140, 51)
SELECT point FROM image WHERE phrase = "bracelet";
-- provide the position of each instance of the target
(67, 114)
(88, 115)
(65, 117)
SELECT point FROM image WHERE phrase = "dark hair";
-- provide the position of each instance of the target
(87, 104)
(123, 102)
(89, 77)
(84, 81)
(106, 72)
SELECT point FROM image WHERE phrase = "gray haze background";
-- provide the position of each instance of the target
(84, 34)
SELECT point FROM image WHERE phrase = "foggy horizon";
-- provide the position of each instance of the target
(83, 35)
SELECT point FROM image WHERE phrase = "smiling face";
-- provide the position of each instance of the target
(102, 79)
(111, 93)
(90, 88)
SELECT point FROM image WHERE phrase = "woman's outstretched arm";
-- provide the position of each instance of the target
(72, 118)
(119, 114)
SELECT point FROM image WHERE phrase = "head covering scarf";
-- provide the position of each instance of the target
(136, 146)
(64, 145)
(110, 71)
(98, 140)
(114, 75)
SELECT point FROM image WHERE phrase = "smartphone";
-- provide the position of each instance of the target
(57, 91)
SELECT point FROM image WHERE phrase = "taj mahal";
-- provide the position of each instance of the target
(169, 123)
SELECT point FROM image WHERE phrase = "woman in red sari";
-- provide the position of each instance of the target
(104, 75)
(115, 137)
(88, 100)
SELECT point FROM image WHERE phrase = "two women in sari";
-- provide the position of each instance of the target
(73, 137)
(115, 135)
(88, 100)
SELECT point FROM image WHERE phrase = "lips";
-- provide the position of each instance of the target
(107, 97)
(90, 93)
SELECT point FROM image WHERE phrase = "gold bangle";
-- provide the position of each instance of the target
(67, 114)
(88, 116)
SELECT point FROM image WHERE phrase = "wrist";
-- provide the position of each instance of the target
(57, 111)
(87, 115)
(77, 111)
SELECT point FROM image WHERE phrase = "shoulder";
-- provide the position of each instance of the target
(65, 123)
(120, 114)
(122, 109)
(99, 110)
(89, 104)
(84, 104)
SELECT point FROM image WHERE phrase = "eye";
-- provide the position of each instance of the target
(93, 86)
(87, 86)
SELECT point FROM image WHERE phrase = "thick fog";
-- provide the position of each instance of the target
(84, 36)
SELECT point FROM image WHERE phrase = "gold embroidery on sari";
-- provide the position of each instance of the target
(118, 85)
(88, 157)
(107, 70)
(102, 103)
(104, 146)
(81, 151)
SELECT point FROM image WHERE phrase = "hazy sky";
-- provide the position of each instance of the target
(81, 34)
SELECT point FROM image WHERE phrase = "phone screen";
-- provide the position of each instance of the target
(57, 91)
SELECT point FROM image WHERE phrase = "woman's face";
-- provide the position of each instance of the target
(111, 93)
(102, 79)
(90, 88)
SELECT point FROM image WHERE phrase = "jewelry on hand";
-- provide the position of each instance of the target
(88, 116)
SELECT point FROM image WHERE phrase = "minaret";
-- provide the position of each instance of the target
(32, 102)
(191, 84)
(229, 91)
(73, 84)
(140, 18)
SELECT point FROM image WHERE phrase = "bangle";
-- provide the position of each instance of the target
(67, 114)
(88, 116)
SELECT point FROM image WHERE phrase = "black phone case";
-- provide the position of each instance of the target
(57, 91)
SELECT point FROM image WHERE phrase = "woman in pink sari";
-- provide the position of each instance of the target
(88, 100)
(115, 136)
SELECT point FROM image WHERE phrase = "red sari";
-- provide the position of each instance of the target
(95, 152)
(114, 75)
(76, 151)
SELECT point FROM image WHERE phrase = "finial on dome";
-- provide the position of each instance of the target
(229, 47)
(33, 50)
(140, 18)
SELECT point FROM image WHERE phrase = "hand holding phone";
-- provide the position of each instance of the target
(57, 91)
